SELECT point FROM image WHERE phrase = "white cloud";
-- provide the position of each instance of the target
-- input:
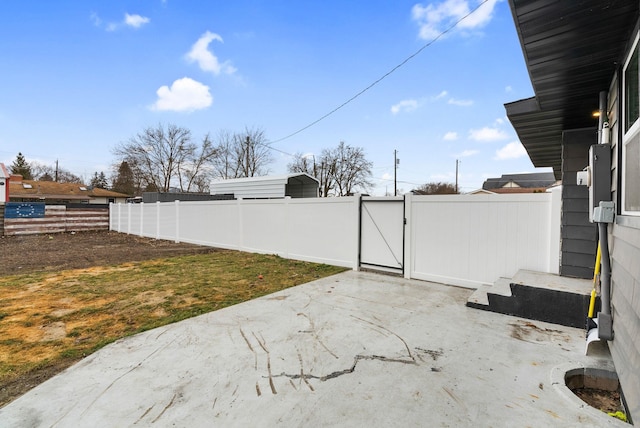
(206, 60)
(480, 17)
(450, 136)
(440, 95)
(387, 176)
(512, 150)
(462, 103)
(404, 106)
(508, 89)
(433, 19)
(451, 100)
(487, 134)
(95, 19)
(135, 21)
(184, 95)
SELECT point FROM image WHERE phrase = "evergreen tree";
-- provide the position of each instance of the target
(124, 181)
(21, 166)
(99, 180)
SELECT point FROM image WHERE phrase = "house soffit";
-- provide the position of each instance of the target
(572, 50)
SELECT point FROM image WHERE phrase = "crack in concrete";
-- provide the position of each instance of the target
(306, 376)
(434, 354)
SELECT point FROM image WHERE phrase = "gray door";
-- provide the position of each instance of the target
(382, 233)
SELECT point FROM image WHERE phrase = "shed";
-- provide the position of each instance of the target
(297, 185)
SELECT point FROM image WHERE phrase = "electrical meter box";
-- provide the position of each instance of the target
(600, 176)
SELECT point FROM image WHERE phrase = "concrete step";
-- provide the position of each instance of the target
(537, 296)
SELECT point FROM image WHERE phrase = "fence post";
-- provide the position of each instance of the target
(408, 233)
(357, 202)
(240, 223)
(287, 230)
(177, 239)
(157, 219)
(141, 218)
(129, 219)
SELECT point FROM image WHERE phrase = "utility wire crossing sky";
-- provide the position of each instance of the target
(86, 76)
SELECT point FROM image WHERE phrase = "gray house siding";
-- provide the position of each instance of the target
(625, 300)
(579, 236)
(624, 239)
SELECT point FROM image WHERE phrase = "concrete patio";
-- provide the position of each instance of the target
(356, 349)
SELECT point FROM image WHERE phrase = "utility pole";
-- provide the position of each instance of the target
(247, 166)
(396, 161)
(56, 180)
(457, 162)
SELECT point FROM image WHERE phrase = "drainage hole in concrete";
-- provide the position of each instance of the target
(598, 388)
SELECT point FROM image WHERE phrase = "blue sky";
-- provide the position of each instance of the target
(81, 77)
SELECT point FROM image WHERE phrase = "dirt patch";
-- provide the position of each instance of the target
(61, 251)
(54, 331)
(607, 401)
(64, 296)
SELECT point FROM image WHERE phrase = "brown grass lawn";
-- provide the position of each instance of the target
(48, 321)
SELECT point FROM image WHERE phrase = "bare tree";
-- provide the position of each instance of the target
(318, 169)
(163, 158)
(44, 172)
(436, 188)
(224, 164)
(341, 171)
(196, 172)
(242, 154)
(352, 171)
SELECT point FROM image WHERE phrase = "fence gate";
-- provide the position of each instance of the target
(382, 234)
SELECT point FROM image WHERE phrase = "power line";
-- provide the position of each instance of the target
(384, 76)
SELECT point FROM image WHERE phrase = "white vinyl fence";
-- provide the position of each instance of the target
(464, 240)
(319, 230)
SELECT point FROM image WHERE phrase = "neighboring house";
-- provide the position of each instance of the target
(520, 183)
(51, 192)
(4, 184)
(296, 185)
(481, 192)
(584, 57)
(151, 197)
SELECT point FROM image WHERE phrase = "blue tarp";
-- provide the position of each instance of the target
(24, 210)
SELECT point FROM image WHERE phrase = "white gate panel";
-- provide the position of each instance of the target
(382, 233)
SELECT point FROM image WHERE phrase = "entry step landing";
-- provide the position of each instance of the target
(537, 296)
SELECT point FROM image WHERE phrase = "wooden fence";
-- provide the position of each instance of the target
(58, 218)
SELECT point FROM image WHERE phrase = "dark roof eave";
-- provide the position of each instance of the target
(572, 51)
